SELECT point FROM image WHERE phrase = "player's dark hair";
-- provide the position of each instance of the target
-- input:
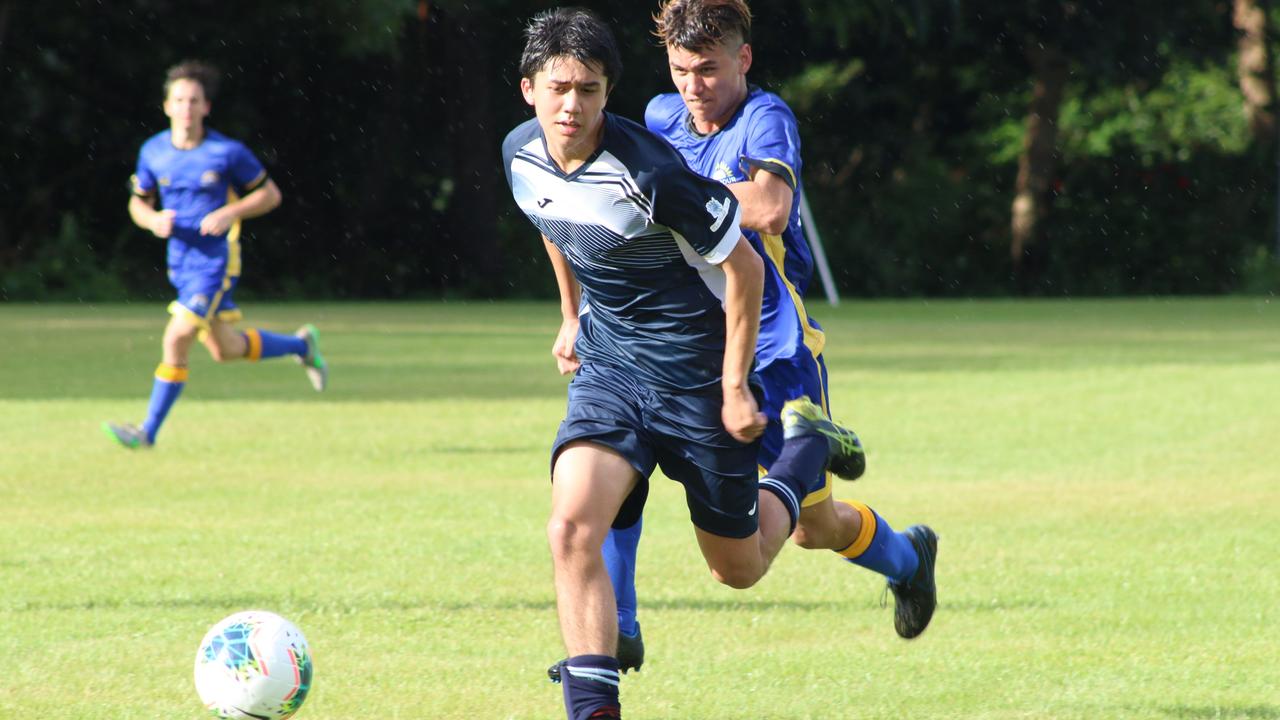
(197, 70)
(699, 25)
(571, 32)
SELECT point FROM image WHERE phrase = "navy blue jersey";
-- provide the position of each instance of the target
(644, 236)
(761, 135)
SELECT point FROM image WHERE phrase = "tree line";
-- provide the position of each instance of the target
(952, 148)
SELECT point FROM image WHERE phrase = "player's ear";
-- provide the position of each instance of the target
(526, 89)
(744, 57)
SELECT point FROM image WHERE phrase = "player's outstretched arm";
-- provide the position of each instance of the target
(744, 286)
(259, 202)
(570, 296)
(766, 202)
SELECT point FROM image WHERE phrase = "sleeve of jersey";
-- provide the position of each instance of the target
(701, 210)
(247, 174)
(773, 145)
(143, 182)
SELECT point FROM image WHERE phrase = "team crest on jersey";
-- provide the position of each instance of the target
(209, 177)
(719, 210)
(164, 181)
(724, 174)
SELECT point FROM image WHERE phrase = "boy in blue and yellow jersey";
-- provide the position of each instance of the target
(206, 183)
(746, 138)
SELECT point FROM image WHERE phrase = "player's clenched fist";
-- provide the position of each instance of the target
(162, 224)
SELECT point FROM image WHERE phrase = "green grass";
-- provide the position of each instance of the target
(1104, 476)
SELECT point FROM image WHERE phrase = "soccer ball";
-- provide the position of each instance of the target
(253, 665)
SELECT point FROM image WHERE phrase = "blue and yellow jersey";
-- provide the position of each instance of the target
(195, 182)
(762, 135)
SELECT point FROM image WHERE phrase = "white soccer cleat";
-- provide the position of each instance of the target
(313, 362)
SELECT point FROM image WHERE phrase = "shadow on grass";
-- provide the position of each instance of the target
(1225, 712)
(407, 604)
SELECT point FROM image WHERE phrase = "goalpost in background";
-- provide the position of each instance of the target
(811, 234)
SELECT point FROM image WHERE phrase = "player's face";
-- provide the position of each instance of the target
(712, 83)
(568, 97)
(186, 105)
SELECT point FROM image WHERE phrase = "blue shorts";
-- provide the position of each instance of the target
(203, 281)
(680, 433)
(783, 380)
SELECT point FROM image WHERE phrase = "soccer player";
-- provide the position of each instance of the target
(206, 183)
(746, 138)
(664, 346)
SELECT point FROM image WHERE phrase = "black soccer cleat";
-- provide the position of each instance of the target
(630, 655)
(845, 457)
(630, 651)
(915, 599)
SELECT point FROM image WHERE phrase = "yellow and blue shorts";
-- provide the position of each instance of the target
(786, 379)
(202, 277)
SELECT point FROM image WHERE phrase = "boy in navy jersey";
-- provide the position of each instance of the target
(660, 298)
(206, 183)
(747, 138)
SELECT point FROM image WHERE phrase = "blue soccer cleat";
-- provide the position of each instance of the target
(845, 458)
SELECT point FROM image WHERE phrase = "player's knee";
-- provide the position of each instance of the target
(738, 576)
(568, 537)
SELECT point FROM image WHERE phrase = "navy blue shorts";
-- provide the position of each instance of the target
(680, 433)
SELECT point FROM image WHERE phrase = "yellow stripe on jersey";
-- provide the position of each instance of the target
(257, 182)
(776, 250)
(171, 373)
(790, 170)
(233, 239)
(865, 535)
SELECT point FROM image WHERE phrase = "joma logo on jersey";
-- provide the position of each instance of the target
(719, 210)
(209, 177)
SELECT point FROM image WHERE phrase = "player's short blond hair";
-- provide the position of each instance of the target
(698, 25)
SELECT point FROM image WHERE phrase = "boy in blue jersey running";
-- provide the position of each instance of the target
(661, 296)
(746, 138)
(206, 183)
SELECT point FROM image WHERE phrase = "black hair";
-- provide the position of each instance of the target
(571, 32)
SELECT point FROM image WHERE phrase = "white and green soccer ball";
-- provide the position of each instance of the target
(253, 665)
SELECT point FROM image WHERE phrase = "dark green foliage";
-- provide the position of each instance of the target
(381, 121)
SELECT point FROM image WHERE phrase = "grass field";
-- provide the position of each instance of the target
(1105, 477)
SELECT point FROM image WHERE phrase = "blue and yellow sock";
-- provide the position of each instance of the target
(590, 685)
(879, 547)
(620, 548)
(264, 345)
(164, 393)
